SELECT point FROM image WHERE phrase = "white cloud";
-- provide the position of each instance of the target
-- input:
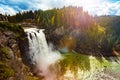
(99, 7)
(46, 4)
(2, 11)
(7, 10)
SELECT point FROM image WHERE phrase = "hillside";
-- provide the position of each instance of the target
(69, 30)
(11, 65)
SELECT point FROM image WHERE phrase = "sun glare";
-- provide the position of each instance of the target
(86, 4)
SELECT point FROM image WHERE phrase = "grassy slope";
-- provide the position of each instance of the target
(86, 66)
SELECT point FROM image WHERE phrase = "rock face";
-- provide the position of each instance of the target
(11, 64)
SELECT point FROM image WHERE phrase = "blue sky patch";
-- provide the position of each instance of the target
(94, 7)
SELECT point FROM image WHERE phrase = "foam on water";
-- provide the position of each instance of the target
(43, 58)
(41, 55)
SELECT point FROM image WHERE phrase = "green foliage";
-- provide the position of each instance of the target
(16, 29)
(54, 18)
(73, 61)
(31, 78)
(5, 71)
(99, 63)
(90, 41)
(4, 52)
(82, 66)
(9, 26)
(111, 40)
(108, 44)
(94, 36)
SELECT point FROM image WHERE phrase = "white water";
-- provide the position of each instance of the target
(41, 55)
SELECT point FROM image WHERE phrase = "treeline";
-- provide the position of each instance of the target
(3, 17)
(72, 29)
(66, 17)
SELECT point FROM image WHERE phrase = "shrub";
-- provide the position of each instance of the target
(5, 71)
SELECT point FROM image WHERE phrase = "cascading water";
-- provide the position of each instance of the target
(45, 61)
(40, 54)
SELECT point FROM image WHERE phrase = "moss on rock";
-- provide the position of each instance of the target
(5, 71)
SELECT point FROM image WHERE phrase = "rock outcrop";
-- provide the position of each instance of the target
(11, 63)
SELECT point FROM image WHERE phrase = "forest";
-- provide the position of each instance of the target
(71, 30)
(75, 29)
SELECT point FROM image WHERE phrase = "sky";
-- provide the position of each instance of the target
(94, 7)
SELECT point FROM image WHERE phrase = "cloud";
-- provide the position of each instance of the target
(106, 8)
(47, 4)
(99, 7)
(7, 10)
(21, 5)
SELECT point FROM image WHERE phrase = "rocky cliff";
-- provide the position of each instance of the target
(11, 64)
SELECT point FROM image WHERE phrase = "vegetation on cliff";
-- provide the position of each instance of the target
(5, 71)
(72, 31)
(11, 65)
(100, 34)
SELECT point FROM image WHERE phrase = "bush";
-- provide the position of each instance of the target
(5, 71)
(73, 61)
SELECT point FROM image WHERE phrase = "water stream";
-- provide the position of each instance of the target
(44, 60)
(41, 55)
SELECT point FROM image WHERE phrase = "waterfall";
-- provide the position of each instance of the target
(40, 54)
(46, 62)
